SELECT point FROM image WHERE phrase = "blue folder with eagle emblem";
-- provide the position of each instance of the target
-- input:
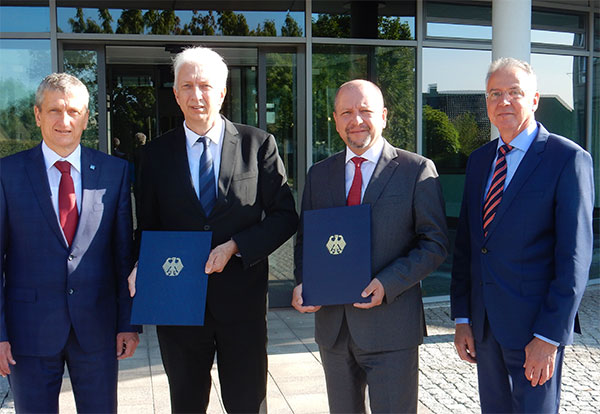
(171, 283)
(336, 255)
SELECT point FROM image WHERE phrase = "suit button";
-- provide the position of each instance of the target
(71, 257)
(206, 227)
(71, 291)
(484, 250)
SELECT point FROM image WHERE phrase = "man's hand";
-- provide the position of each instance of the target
(127, 342)
(131, 281)
(219, 257)
(539, 361)
(464, 343)
(6, 358)
(297, 301)
(376, 289)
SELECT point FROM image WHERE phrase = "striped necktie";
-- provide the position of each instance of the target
(494, 195)
(206, 183)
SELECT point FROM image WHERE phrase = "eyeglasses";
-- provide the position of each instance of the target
(496, 94)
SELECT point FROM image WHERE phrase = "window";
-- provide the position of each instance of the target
(24, 16)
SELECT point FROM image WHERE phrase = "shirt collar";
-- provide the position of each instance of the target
(50, 157)
(215, 134)
(523, 141)
(372, 154)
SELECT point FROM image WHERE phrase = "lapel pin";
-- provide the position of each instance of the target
(92, 167)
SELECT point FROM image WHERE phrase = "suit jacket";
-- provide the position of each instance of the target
(48, 287)
(254, 207)
(409, 241)
(529, 274)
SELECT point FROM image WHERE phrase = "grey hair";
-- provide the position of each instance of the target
(509, 63)
(202, 56)
(62, 82)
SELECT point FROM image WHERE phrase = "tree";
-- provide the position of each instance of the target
(106, 19)
(82, 25)
(162, 22)
(203, 25)
(269, 29)
(131, 22)
(391, 28)
(332, 25)
(290, 27)
(233, 24)
(469, 133)
(442, 145)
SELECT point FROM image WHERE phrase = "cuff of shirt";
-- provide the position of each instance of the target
(461, 320)
(543, 338)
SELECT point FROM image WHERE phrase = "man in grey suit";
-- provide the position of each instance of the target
(376, 343)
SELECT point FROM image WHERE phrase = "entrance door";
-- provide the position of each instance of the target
(261, 91)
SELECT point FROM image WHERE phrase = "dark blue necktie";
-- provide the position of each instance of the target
(206, 184)
(494, 195)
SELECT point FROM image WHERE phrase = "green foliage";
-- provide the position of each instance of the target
(131, 22)
(203, 25)
(17, 121)
(391, 28)
(291, 28)
(12, 146)
(233, 24)
(269, 29)
(331, 26)
(162, 22)
(469, 133)
(442, 144)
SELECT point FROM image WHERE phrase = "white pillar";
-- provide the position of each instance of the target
(511, 29)
(511, 33)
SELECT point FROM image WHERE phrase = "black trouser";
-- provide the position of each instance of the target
(188, 353)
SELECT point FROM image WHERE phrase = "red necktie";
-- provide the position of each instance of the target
(67, 205)
(356, 187)
(494, 195)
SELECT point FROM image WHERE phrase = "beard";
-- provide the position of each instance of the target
(360, 142)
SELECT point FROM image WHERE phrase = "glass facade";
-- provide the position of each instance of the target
(392, 68)
(274, 20)
(428, 57)
(24, 63)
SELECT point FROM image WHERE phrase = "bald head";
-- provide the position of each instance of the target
(359, 114)
(362, 85)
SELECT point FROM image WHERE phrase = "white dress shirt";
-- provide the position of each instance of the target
(50, 157)
(367, 168)
(195, 150)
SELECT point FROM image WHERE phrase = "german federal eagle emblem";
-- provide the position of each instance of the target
(172, 266)
(336, 244)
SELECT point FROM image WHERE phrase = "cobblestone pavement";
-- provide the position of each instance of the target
(296, 383)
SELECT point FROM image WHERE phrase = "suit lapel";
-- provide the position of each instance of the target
(39, 182)
(337, 179)
(528, 164)
(181, 167)
(381, 175)
(88, 223)
(229, 153)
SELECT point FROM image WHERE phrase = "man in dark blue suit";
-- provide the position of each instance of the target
(65, 253)
(523, 250)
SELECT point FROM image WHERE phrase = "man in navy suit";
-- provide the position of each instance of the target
(65, 253)
(523, 250)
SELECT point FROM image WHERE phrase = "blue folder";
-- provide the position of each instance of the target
(336, 255)
(171, 283)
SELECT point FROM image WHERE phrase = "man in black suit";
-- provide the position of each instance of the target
(249, 208)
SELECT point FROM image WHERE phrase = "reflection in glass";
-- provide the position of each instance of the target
(24, 18)
(282, 121)
(455, 123)
(84, 65)
(279, 22)
(597, 33)
(558, 28)
(459, 21)
(562, 87)
(392, 20)
(23, 65)
(391, 68)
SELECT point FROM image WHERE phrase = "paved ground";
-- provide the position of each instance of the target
(296, 383)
